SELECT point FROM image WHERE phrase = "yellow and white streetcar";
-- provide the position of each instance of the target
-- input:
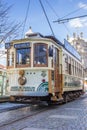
(42, 68)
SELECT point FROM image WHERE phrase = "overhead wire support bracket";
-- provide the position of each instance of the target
(67, 19)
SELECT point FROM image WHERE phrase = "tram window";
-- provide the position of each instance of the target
(40, 54)
(10, 57)
(69, 68)
(81, 71)
(75, 68)
(66, 64)
(51, 51)
(72, 67)
(23, 56)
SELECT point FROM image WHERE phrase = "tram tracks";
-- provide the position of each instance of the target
(20, 114)
(6, 109)
(23, 116)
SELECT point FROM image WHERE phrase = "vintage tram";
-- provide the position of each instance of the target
(42, 68)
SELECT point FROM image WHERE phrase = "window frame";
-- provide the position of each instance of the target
(40, 65)
(23, 65)
(9, 53)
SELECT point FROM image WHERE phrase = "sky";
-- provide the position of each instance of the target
(54, 9)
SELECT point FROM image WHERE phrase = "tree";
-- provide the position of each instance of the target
(8, 29)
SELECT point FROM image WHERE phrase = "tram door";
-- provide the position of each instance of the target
(58, 79)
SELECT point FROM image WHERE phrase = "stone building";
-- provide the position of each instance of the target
(81, 46)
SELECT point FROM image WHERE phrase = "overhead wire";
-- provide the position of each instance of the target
(85, 5)
(52, 8)
(26, 17)
(67, 19)
(46, 17)
(57, 15)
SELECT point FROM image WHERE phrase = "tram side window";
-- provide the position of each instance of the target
(23, 56)
(76, 68)
(10, 58)
(66, 64)
(81, 71)
(40, 54)
(69, 68)
(72, 67)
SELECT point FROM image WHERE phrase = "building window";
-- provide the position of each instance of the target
(40, 54)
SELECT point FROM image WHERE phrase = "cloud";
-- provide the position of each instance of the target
(82, 5)
(78, 22)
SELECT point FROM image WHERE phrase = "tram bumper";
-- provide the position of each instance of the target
(30, 95)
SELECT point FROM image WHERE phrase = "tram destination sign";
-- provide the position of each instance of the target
(71, 49)
(22, 45)
(7, 45)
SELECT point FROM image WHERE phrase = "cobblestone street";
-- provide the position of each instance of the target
(70, 116)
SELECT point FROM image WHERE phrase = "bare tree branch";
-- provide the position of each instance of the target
(7, 27)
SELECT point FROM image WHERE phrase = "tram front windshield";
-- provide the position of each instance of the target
(23, 56)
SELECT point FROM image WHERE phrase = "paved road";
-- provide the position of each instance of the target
(70, 116)
(10, 106)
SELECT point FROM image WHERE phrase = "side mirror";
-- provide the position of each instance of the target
(51, 51)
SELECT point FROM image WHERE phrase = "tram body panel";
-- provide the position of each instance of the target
(36, 80)
(71, 81)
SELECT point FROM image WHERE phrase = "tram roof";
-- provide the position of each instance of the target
(67, 46)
